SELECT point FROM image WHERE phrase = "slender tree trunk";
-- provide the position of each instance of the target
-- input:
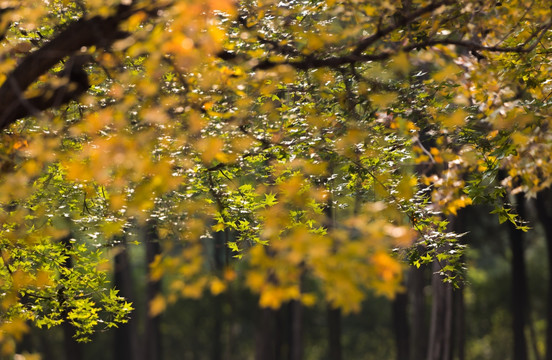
(46, 348)
(519, 288)
(280, 341)
(152, 336)
(217, 349)
(544, 210)
(334, 332)
(441, 342)
(218, 301)
(296, 331)
(126, 335)
(231, 342)
(416, 285)
(265, 344)
(447, 331)
(72, 349)
(460, 326)
(459, 322)
(448, 343)
(440, 336)
(400, 325)
(333, 314)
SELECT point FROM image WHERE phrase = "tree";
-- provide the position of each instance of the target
(543, 208)
(126, 336)
(258, 116)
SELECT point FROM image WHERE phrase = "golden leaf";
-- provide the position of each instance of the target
(157, 305)
(217, 286)
(384, 99)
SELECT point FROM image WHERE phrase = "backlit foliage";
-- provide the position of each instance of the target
(325, 141)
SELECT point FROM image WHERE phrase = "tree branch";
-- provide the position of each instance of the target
(96, 31)
(334, 61)
(403, 21)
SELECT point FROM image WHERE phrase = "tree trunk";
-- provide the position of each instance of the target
(219, 240)
(126, 335)
(72, 349)
(448, 343)
(46, 352)
(460, 328)
(265, 344)
(447, 331)
(334, 332)
(217, 350)
(152, 336)
(416, 284)
(333, 314)
(519, 288)
(440, 336)
(280, 341)
(296, 330)
(400, 325)
(544, 210)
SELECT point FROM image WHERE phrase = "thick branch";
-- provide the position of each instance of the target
(96, 31)
(53, 98)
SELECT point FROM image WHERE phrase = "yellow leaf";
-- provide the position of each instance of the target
(43, 279)
(218, 227)
(112, 228)
(21, 279)
(454, 205)
(315, 42)
(194, 290)
(229, 274)
(255, 281)
(406, 186)
(383, 100)
(308, 299)
(227, 6)
(389, 274)
(519, 139)
(210, 148)
(157, 305)
(217, 286)
(400, 63)
(453, 120)
(271, 297)
(135, 20)
(15, 328)
(370, 10)
(241, 144)
(448, 72)
(387, 267)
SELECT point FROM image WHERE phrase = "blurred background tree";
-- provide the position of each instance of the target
(248, 178)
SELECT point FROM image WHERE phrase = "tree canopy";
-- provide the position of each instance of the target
(329, 141)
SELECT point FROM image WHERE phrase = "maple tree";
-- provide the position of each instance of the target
(326, 139)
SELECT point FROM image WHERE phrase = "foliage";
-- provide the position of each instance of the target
(327, 140)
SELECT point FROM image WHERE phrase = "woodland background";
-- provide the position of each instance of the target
(479, 315)
(301, 179)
